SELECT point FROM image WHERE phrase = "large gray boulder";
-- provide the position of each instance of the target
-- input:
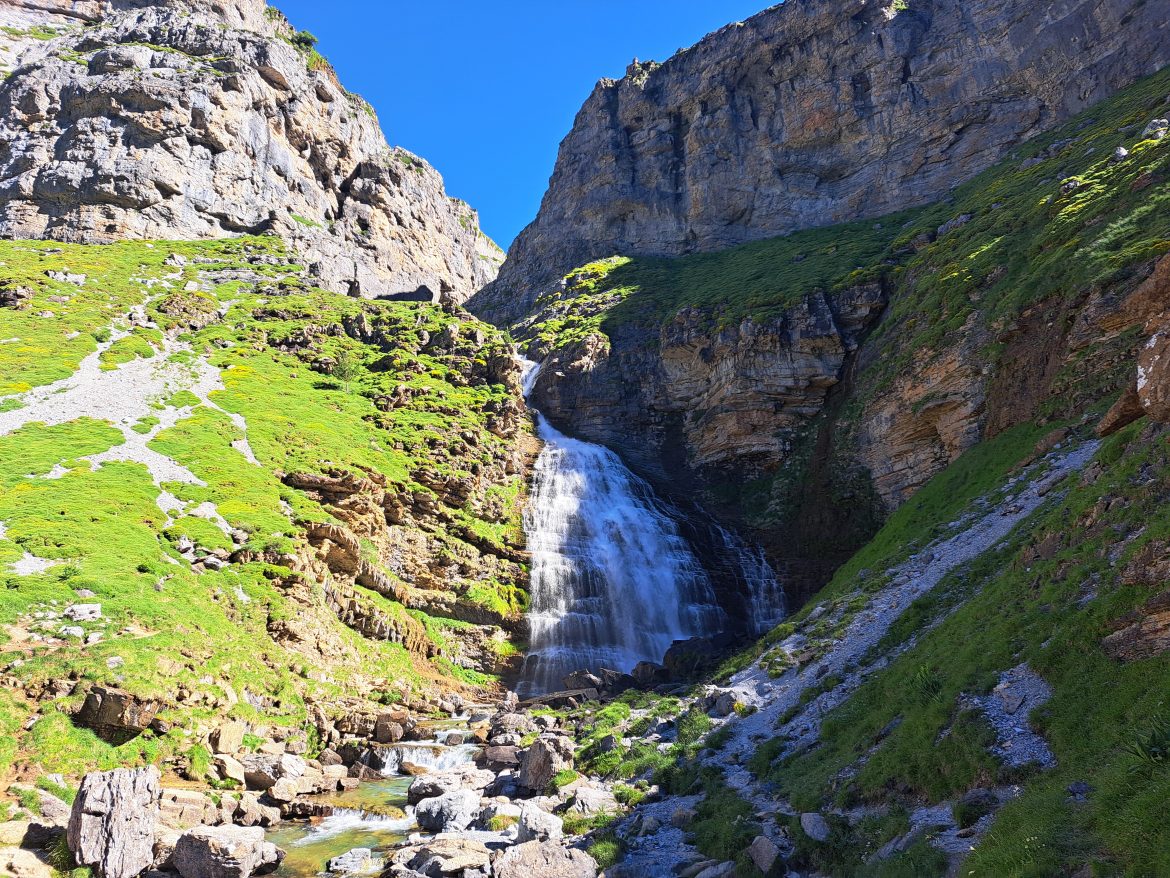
(540, 763)
(450, 812)
(546, 859)
(263, 770)
(112, 824)
(225, 852)
(538, 825)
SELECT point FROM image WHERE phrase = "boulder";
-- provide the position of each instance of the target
(228, 738)
(501, 812)
(648, 674)
(815, 826)
(262, 770)
(499, 758)
(540, 763)
(450, 812)
(724, 704)
(512, 724)
(19, 863)
(229, 768)
(356, 861)
(430, 786)
(225, 852)
(589, 801)
(113, 821)
(763, 853)
(582, 680)
(445, 857)
(116, 716)
(284, 790)
(546, 859)
(538, 825)
(250, 812)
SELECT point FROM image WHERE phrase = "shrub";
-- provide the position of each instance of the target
(303, 40)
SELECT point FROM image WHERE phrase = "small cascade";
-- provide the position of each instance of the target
(344, 820)
(613, 582)
(766, 603)
(433, 757)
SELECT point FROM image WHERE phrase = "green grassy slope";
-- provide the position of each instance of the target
(217, 641)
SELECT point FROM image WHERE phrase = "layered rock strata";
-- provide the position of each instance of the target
(127, 119)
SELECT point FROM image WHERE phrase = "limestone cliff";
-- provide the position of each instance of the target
(817, 112)
(131, 119)
(804, 387)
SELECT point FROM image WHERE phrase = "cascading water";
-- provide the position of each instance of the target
(613, 582)
(766, 603)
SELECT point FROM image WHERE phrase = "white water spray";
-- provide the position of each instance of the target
(613, 582)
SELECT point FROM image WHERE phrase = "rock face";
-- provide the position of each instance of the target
(191, 120)
(112, 825)
(115, 715)
(817, 112)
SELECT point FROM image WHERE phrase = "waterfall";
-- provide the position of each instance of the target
(432, 757)
(613, 582)
(766, 606)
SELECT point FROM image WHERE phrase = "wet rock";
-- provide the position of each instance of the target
(546, 859)
(582, 680)
(225, 852)
(116, 716)
(356, 861)
(112, 824)
(647, 674)
(450, 812)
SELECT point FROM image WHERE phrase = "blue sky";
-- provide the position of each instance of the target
(485, 91)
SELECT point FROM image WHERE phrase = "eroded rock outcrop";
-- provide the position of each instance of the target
(813, 113)
(190, 120)
(112, 825)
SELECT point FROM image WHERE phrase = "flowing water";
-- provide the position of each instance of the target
(369, 817)
(613, 582)
(433, 757)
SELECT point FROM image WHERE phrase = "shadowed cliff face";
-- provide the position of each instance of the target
(817, 112)
(803, 388)
(202, 120)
